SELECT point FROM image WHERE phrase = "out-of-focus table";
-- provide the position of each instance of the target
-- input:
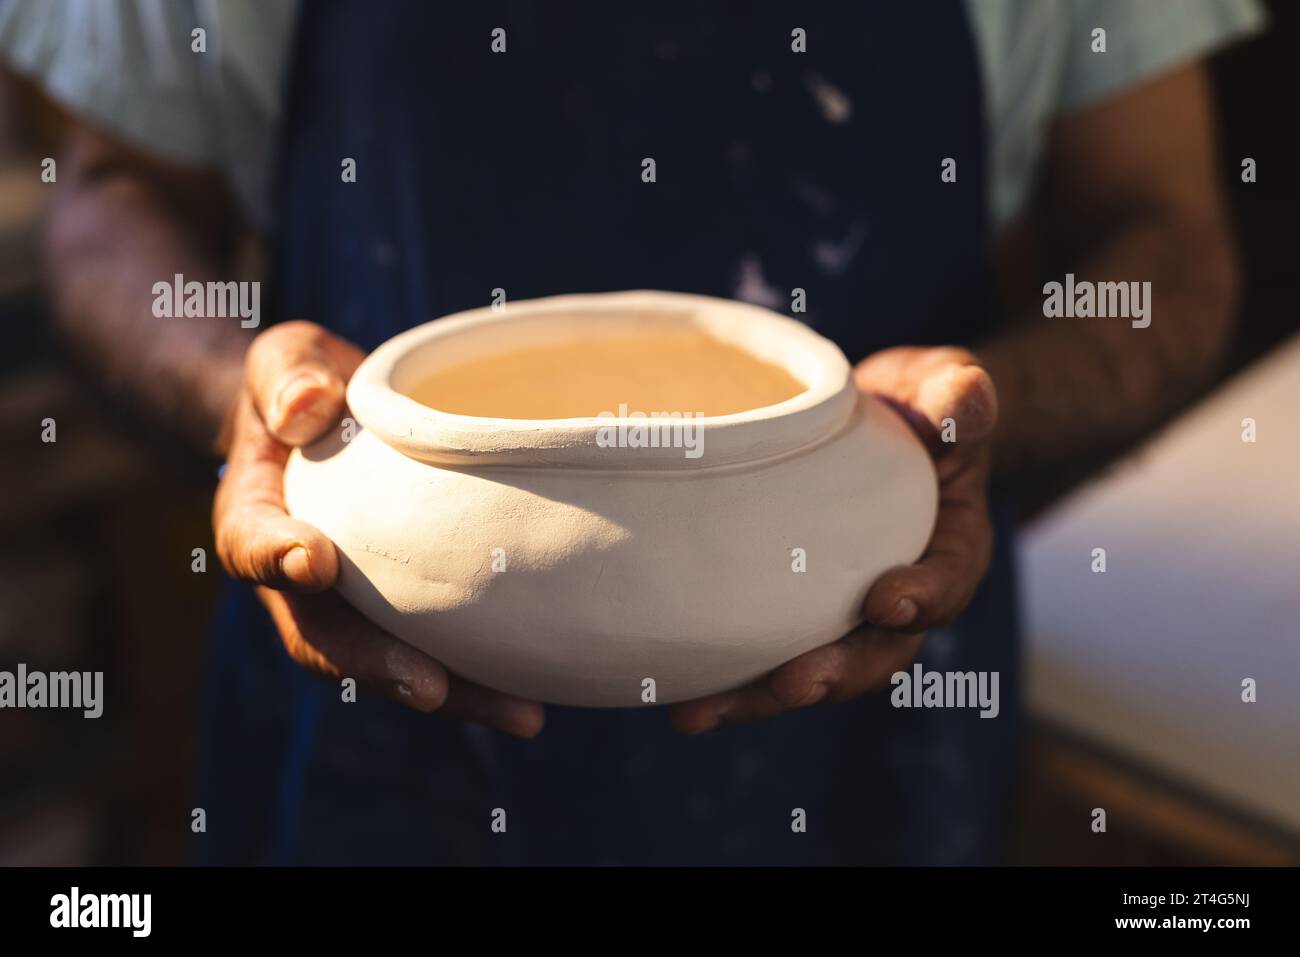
(1201, 590)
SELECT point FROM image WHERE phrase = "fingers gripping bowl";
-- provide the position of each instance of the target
(568, 559)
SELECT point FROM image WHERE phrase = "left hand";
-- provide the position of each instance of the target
(926, 386)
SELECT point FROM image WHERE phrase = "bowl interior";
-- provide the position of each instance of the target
(613, 369)
(608, 360)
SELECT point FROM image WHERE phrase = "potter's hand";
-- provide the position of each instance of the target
(926, 386)
(293, 392)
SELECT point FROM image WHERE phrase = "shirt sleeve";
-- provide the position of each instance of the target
(1144, 38)
(128, 68)
(137, 70)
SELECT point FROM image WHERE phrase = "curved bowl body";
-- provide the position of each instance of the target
(569, 573)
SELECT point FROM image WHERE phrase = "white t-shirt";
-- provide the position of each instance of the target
(131, 67)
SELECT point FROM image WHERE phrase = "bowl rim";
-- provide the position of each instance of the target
(445, 438)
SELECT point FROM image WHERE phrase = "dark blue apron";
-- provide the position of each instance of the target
(774, 170)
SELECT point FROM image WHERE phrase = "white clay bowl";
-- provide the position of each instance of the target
(620, 564)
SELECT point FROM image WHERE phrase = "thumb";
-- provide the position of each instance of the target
(963, 393)
(296, 373)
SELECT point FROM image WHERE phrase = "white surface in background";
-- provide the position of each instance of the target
(1202, 589)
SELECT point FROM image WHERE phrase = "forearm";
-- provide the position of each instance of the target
(111, 236)
(1068, 386)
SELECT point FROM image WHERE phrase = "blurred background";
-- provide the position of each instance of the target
(87, 535)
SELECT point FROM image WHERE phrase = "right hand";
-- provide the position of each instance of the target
(295, 375)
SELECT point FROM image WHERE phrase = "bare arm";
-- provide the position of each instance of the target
(120, 222)
(1130, 195)
(123, 221)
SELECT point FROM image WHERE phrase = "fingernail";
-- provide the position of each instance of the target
(903, 613)
(710, 721)
(719, 716)
(295, 564)
(412, 690)
(516, 718)
(815, 694)
(411, 694)
(291, 393)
